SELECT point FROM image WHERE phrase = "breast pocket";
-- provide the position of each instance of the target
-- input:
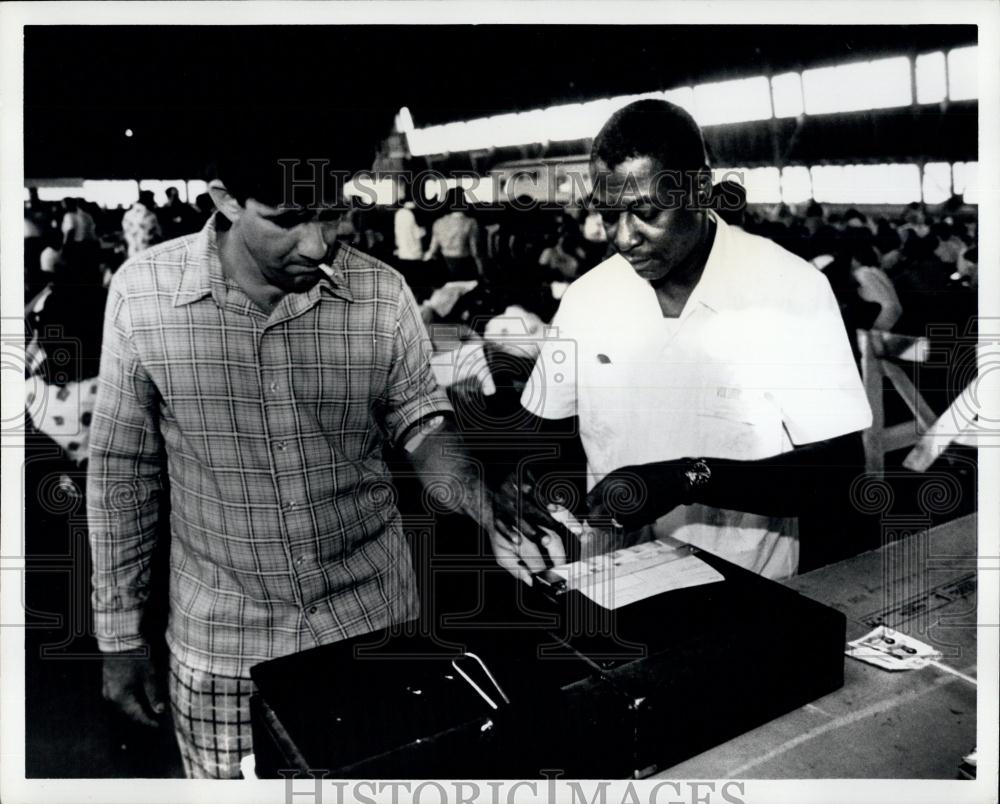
(738, 424)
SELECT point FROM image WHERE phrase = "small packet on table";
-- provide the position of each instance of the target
(891, 650)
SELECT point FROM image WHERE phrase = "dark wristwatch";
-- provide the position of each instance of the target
(697, 474)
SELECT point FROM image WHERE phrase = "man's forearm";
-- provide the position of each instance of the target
(789, 484)
(122, 523)
(444, 466)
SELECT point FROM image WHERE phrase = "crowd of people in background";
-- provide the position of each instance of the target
(469, 265)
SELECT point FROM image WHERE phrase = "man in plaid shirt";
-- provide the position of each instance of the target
(260, 366)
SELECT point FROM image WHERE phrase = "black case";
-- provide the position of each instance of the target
(593, 694)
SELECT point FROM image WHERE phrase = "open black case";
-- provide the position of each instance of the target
(531, 683)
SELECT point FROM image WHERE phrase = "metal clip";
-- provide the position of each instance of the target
(479, 690)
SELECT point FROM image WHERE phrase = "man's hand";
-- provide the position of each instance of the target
(637, 495)
(523, 529)
(521, 557)
(513, 524)
(517, 506)
(131, 684)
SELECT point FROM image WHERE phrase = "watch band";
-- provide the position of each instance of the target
(698, 474)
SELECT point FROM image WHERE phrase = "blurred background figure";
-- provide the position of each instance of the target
(205, 208)
(409, 251)
(176, 218)
(79, 232)
(455, 236)
(864, 292)
(64, 326)
(140, 226)
(595, 240)
(77, 224)
(563, 260)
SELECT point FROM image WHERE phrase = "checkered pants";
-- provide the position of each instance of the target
(212, 721)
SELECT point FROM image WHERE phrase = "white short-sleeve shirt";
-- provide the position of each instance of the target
(757, 362)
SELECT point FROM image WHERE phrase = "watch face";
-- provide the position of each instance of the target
(698, 475)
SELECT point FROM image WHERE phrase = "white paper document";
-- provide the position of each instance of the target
(634, 573)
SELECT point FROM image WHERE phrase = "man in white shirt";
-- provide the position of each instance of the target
(409, 235)
(409, 251)
(715, 389)
(77, 224)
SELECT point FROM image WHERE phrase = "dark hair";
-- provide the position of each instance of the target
(814, 210)
(261, 155)
(943, 231)
(919, 248)
(857, 244)
(52, 238)
(654, 128)
(887, 238)
(455, 200)
(146, 198)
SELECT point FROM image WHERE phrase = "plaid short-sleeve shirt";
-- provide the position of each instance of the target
(270, 429)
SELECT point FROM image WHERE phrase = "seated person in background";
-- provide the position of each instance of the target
(714, 386)
(887, 243)
(865, 293)
(564, 258)
(967, 268)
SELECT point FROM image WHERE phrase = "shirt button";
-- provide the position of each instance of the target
(281, 446)
(273, 387)
(289, 505)
(300, 561)
(313, 609)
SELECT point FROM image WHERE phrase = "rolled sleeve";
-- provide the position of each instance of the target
(820, 391)
(551, 390)
(123, 485)
(412, 392)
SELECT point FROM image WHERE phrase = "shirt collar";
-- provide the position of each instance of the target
(710, 292)
(202, 274)
(711, 289)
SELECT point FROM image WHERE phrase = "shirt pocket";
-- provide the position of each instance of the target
(606, 398)
(738, 424)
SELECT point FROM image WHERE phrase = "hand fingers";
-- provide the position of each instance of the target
(151, 686)
(129, 705)
(554, 547)
(509, 534)
(595, 509)
(521, 512)
(510, 517)
(531, 556)
(510, 541)
(507, 558)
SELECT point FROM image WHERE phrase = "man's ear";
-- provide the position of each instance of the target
(703, 189)
(224, 202)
